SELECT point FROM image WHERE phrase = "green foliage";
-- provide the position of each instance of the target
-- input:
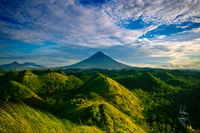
(19, 118)
(102, 114)
(149, 103)
(45, 84)
(1, 74)
(114, 94)
(147, 82)
(15, 90)
(30, 80)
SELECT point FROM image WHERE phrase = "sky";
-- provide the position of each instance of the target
(142, 33)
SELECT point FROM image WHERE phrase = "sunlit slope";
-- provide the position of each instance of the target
(105, 103)
(21, 118)
(58, 80)
(100, 113)
(30, 80)
(1, 74)
(115, 94)
(13, 90)
(44, 83)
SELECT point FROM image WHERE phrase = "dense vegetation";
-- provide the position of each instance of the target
(99, 100)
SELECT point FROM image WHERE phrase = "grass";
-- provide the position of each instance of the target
(107, 104)
(147, 82)
(30, 80)
(115, 94)
(20, 118)
(14, 90)
(102, 114)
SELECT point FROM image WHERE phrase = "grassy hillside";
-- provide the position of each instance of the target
(30, 80)
(102, 114)
(146, 100)
(105, 103)
(115, 94)
(16, 91)
(146, 82)
(45, 83)
(183, 80)
(20, 118)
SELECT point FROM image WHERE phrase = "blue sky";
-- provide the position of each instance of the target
(144, 33)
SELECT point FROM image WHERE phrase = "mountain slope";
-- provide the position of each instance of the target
(99, 60)
(20, 66)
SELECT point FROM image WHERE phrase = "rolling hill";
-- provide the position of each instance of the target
(88, 100)
(105, 103)
(147, 82)
(14, 90)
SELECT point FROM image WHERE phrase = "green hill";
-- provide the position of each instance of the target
(146, 82)
(10, 75)
(30, 80)
(105, 103)
(58, 86)
(102, 114)
(1, 74)
(182, 79)
(20, 118)
(115, 94)
(163, 75)
(49, 85)
(16, 91)
(140, 100)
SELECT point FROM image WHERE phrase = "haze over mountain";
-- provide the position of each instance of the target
(21, 66)
(99, 60)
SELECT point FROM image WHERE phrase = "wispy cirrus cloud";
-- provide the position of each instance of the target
(149, 31)
(71, 22)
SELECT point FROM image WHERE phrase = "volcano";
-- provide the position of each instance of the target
(99, 60)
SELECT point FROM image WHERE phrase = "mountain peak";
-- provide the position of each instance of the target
(20, 66)
(99, 60)
(99, 54)
(16, 62)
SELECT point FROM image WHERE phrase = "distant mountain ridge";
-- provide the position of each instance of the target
(99, 60)
(21, 66)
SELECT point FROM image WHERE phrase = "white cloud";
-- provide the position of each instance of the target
(69, 23)
(161, 37)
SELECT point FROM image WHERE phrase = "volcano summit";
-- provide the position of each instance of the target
(99, 60)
